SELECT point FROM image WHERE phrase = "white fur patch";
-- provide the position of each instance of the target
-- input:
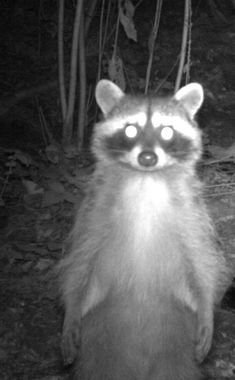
(163, 159)
(183, 127)
(109, 127)
(156, 119)
(146, 202)
(139, 118)
(146, 198)
(176, 122)
(132, 156)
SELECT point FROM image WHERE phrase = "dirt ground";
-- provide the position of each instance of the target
(38, 195)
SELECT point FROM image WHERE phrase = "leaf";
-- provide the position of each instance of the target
(126, 12)
(51, 198)
(70, 151)
(43, 264)
(24, 158)
(56, 186)
(222, 154)
(71, 198)
(52, 153)
(32, 187)
(54, 246)
(231, 150)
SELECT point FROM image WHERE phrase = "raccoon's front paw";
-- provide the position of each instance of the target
(204, 340)
(70, 342)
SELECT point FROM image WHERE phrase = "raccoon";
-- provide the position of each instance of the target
(143, 272)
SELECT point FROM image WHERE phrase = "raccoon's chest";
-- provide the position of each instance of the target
(147, 223)
(142, 249)
(145, 205)
(144, 239)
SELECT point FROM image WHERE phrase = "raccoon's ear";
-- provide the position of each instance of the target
(191, 97)
(107, 95)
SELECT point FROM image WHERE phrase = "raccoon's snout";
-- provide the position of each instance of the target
(147, 158)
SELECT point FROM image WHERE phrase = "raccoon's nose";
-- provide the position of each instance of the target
(147, 158)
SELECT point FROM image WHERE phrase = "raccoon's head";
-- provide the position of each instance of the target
(145, 133)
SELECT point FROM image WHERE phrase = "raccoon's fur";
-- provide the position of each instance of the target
(143, 272)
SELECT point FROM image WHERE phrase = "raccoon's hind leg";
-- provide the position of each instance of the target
(202, 304)
(77, 305)
(205, 329)
(210, 295)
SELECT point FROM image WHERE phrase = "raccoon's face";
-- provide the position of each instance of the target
(148, 134)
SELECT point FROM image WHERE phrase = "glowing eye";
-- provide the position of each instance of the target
(131, 131)
(167, 133)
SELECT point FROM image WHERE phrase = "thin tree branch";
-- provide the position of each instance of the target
(61, 59)
(82, 86)
(68, 126)
(183, 44)
(89, 15)
(152, 40)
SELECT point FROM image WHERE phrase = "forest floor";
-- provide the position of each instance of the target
(39, 190)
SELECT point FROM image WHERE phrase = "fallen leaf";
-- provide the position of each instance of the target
(32, 187)
(56, 186)
(51, 197)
